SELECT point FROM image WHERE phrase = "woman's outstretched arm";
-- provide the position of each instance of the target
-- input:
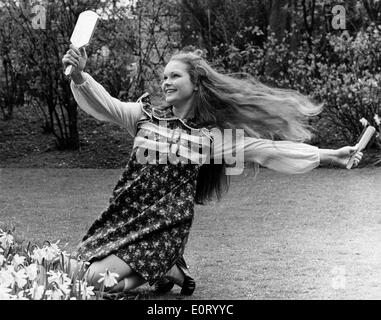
(93, 98)
(283, 156)
(294, 157)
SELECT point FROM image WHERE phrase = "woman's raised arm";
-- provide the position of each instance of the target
(93, 98)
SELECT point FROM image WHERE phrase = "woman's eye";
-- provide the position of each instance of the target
(172, 76)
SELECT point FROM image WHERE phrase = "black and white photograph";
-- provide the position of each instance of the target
(190, 150)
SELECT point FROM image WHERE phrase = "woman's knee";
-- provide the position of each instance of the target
(93, 272)
(111, 263)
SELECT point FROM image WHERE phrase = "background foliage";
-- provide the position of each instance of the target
(285, 43)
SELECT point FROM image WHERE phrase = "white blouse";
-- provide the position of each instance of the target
(283, 156)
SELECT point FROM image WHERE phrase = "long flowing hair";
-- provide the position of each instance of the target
(229, 102)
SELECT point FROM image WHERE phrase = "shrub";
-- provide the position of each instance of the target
(340, 70)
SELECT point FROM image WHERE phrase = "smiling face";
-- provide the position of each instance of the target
(177, 85)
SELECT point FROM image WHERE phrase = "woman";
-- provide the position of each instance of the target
(143, 233)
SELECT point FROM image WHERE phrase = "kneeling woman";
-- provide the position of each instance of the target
(143, 232)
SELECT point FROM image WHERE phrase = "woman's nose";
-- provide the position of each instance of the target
(166, 83)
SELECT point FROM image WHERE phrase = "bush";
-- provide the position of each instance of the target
(341, 71)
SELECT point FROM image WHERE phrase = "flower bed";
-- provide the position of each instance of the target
(43, 273)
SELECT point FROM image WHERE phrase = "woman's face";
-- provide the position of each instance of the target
(177, 85)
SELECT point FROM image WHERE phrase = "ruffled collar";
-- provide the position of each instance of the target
(166, 113)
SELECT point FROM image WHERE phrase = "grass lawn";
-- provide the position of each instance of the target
(311, 236)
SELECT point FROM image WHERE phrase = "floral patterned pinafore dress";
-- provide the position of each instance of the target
(151, 210)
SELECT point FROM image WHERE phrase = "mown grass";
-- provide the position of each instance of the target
(278, 237)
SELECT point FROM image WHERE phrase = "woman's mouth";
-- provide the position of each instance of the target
(169, 91)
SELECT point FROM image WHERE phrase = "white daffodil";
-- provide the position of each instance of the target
(85, 291)
(54, 247)
(6, 239)
(56, 276)
(61, 280)
(36, 292)
(364, 122)
(31, 271)
(88, 292)
(52, 252)
(377, 119)
(20, 278)
(4, 293)
(6, 278)
(108, 278)
(48, 254)
(54, 294)
(21, 296)
(38, 255)
(18, 260)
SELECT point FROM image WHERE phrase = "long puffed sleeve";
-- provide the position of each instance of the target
(283, 156)
(93, 98)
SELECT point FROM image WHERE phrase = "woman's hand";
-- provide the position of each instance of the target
(75, 57)
(344, 154)
(340, 157)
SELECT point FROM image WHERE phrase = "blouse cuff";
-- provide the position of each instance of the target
(85, 75)
(318, 158)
